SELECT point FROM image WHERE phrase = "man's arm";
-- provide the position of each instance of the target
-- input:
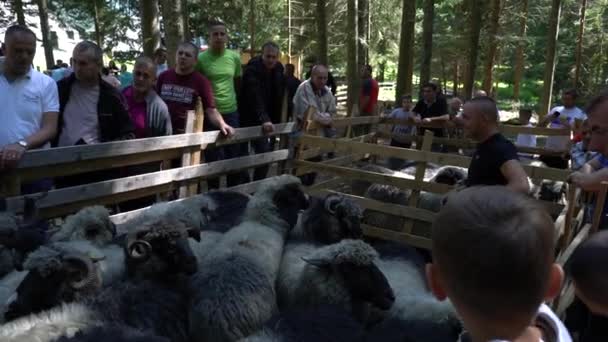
(445, 117)
(216, 118)
(587, 178)
(517, 179)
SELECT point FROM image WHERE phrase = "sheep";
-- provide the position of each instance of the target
(145, 306)
(342, 274)
(416, 311)
(329, 220)
(90, 223)
(359, 187)
(233, 293)
(114, 333)
(324, 324)
(8, 289)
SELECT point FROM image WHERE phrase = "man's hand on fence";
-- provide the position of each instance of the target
(227, 130)
(267, 127)
(10, 155)
(582, 180)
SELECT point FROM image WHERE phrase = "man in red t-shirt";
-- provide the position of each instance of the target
(179, 87)
(369, 96)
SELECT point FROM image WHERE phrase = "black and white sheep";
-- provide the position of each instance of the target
(233, 292)
(113, 333)
(323, 324)
(329, 220)
(144, 306)
(343, 274)
(91, 223)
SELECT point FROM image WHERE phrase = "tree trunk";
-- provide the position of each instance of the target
(579, 44)
(519, 53)
(552, 35)
(427, 41)
(492, 47)
(18, 8)
(43, 12)
(475, 10)
(456, 78)
(352, 73)
(150, 26)
(252, 27)
(174, 27)
(322, 32)
(381, 71)
(184, 10)
(96, 21)
(363, 25)
(404, 71)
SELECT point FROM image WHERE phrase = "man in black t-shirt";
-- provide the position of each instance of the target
(495, 160)
(432, 107)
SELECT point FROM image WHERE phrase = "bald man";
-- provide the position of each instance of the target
(495, 161)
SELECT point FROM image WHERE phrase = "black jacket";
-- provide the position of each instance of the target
(114, 120)
(261, 96)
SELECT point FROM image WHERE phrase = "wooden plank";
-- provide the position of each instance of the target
(419, 176)
(387, 208)
(63, 155)
(187, 156)
(565, 300)
(385, 234)
(354, 112)
(315, 152)
(325, 185)
(570, 209)
(600, 200)
(578, 239)
(196, 155)
(352, 174)
(429, 157)
(116, 188)
(10, 183)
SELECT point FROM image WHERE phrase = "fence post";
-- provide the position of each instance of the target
(299, 148)
(353, 113)
(284, 138)
(197, 156)
(420, 171)
(186, 157)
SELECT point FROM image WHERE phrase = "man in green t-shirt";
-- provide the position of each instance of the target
(223, 69)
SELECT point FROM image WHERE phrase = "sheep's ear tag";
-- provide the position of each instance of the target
(96, 257)
(316, 262)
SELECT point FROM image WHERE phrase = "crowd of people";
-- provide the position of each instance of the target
(492, 248)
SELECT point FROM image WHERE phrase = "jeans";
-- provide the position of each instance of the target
(226, 152)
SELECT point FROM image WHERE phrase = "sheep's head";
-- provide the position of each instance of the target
(90, 223)
(449, 175)
(551, 191)
(278, 202)
(160, 248)
(332, 219)
(55, 276)
(353, 262)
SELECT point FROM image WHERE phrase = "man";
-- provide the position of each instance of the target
(150, 117)
(261, 99)
(91, 110)
(180, 87)
(314, 93)
(564, 116)
(160, 58)
(368, 98)
(592, 174)
(432, 108)
(331, 81)
(495, 161)
(291, 84)
(223, 69)
(30, 103)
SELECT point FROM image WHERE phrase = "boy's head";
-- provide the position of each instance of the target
(588, 270)
(493, 257)
(406, 102)
(524, 116)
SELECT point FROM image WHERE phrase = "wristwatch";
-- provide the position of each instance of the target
(22, 143)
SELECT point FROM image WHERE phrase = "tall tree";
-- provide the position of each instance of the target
(579, 43)
(519, 52)
(252, 26)
(97, 8)
(185, 11)
(408, 23)
(18, 8)
(492, 46)
(352, 73)
(362, 28)
(550, 56)
(475, 10)
(43, 12)
(150, 26)
(321, 10)
(427, 40)
(174, 27)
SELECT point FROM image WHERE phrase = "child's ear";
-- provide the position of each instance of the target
(556, 278)
(434, 282)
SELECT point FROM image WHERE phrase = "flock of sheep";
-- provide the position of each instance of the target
(225, 266)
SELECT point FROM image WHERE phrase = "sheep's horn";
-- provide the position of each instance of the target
(82, 264)
(331, 201)
(139, 249)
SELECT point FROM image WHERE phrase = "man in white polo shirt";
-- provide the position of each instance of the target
(29, 100)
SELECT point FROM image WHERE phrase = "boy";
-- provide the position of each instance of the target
(400, 132)
(587, 268)
(493, 258)
(579, 152)
(525, 140)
